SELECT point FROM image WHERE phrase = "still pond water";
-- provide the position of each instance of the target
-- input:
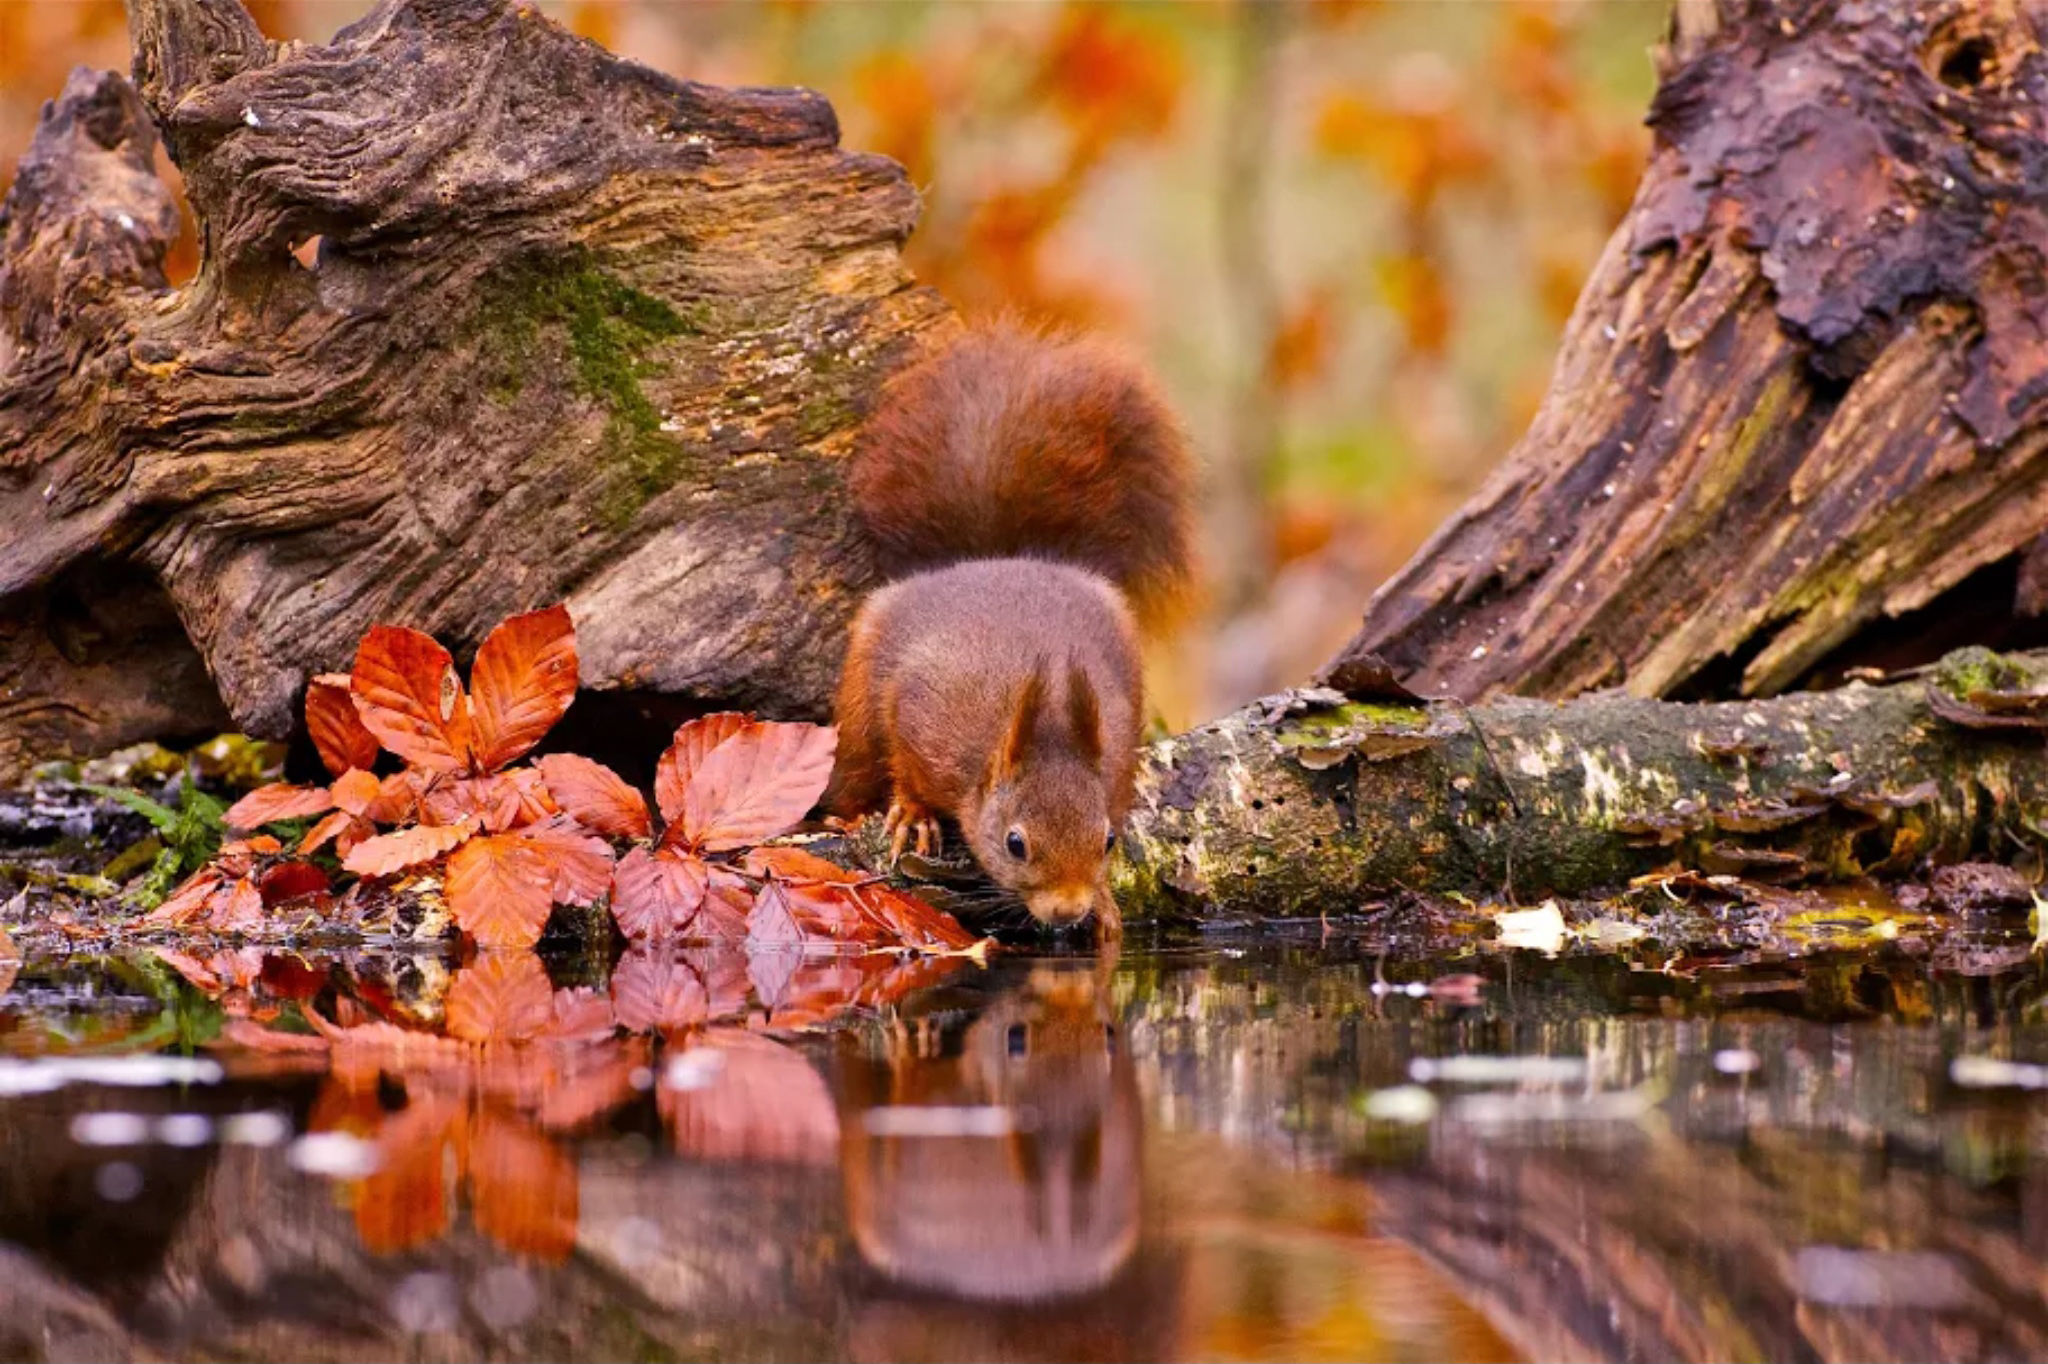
(1261, 1151)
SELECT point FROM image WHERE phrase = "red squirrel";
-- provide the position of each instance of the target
(1030, 498)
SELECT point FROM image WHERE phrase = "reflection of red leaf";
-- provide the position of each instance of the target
(290, 881)
(771, 922)
(760, 1101)
(279, 800)
(581, 864)
(500, 889)
(686, 754)
(388, 853)
(595, 796)
(657, 893)
(522, 1188)
(405, 1203)
(336, 727)
(655, 990)
(409, 697)
(501, 996)
(757, 784)
(523, 680)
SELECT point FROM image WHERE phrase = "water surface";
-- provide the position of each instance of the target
(1246, 1150)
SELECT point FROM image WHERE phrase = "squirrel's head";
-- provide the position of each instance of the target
(1043, 826)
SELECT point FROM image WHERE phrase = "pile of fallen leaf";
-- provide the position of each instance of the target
(506, 840)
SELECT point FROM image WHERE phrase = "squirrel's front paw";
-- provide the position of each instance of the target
(913, 825)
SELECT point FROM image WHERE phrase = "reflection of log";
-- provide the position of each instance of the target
(1308, 812)
(557, 327)
(1802, 393)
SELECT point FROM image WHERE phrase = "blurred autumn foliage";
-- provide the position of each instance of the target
(1346, 233)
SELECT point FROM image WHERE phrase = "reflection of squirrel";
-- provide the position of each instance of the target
(1031, 497)
(1002, 1163)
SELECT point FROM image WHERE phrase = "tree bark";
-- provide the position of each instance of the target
(486, 318)
(1799, 415)
(1311, 803)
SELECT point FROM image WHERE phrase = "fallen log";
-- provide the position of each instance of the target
(486, 318)
(1315, 803)
(1798, 418)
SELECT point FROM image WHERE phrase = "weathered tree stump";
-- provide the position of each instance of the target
(486, 318)
(1804, 395)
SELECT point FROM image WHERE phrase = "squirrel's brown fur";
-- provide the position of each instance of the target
(1031, 495)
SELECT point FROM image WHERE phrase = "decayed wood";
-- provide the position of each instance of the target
(1311, 804)
(1803, 393)
(486, 318)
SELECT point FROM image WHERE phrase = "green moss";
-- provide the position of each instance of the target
(1978, 669)
(609, 329)
(1344, 724)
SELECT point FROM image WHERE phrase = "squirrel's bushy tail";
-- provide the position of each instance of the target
(1008, 442)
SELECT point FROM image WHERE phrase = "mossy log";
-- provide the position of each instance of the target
(1312, 803)
(1798, 421)
(485, 318)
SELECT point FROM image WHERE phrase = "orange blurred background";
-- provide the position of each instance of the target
(1347, 234)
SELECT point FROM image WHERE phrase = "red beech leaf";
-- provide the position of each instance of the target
(501, 997)
(522, 1188)
(728, 898)
(595, 796)
(657, 893)
(535, 801)
(830, 909)
(794, 864)
(913, 922)
(500, 889)
(398, 799)
(490, 800)
(241, 907)
(355, 791)
(654, 989)
(189, 899)
(523, 680)
(757, 784)
(408, 695)
(686, 753)
(325, 832)
(388, 853)
(244, 851)
(772, 922)
(279, 800)
(336, 726)
(582, 864)
(291, 881)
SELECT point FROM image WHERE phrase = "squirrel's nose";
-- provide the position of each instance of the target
(1062, 905)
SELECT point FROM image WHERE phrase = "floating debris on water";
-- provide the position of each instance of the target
(1497, 1070)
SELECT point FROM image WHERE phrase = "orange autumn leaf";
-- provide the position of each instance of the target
(408, 695)
(581, 864)
(910, 920)
(388, 853)
(355, 791)
(337, 829)
(522, 683)
(291, 881)
(757, 784)
(796, 864)
(595, 796)
(279, 800)
(693, 742)
(500, 889)
(336, 727)
(499, 997)
(772, 920)
(404, 1203)
(240, 907)
(657, 892)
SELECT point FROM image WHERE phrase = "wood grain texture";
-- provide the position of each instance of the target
(573, 330)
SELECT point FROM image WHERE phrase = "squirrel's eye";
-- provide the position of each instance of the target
(1015, 844)
(1108, 842)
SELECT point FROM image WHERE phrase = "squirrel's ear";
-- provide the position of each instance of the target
(1023, 731)
(1084, 715)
